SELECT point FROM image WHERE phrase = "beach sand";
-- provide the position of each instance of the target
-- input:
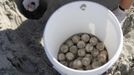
(21, 51)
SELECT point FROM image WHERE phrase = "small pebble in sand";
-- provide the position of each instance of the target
(93, 40)
(85, 37)
(75, 39)
(73, 49)
(81, 44)
(124, 67)
(61, 57)
(100, 46)
(131, 71)
(81, 52)
(89, 47)
(77, 63)
(64, 48)
(70, 56)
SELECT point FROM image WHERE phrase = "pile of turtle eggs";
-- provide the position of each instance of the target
(83, 51)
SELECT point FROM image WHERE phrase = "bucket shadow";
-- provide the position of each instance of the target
(25, 52)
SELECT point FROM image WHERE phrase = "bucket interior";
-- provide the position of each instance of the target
(72, 20)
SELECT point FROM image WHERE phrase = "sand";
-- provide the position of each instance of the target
(21, 52)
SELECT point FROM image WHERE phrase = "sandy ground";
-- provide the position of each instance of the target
(21, 52)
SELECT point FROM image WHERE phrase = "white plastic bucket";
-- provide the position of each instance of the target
(71, 19)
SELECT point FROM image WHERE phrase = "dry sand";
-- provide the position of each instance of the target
(21, 52)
